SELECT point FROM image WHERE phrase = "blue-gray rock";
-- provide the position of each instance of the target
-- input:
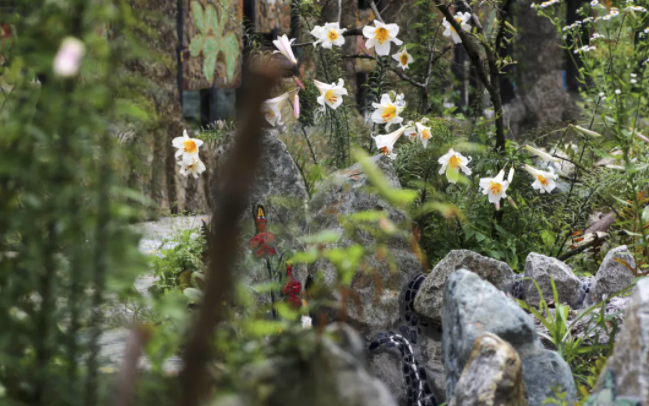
(615, 273)
(626, 374)
(375, 308)
(492, 377)
(429, 299)
(473, 307)
(542, 269)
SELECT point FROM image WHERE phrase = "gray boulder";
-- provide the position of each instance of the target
(334, 372)
(541, 269)
(626, 374)
(375, 305)
(612, 275)
(473, 307)
(278, 183)
(429, 299)
(492, 377)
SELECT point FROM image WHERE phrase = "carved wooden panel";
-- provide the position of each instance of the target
(214, 43)
(274, 14)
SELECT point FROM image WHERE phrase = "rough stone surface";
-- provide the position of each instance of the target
(541, 269)
(628, 367)
(429, 300)
(492, 377)
(334, 374)
(343, 193)
(612, 275)
(473, 307)
(278, 183)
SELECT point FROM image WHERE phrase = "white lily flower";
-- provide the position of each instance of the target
(404, 58)
(331, 95)
(380, 36)
(544, 181)
(542, 154)
(386, 112)
(194, 167)
(462, 19)
(328, 35)
(307, 322)
(385, 143)
(451, 163)
(411, 131)
(187, 147)
(283, 44)
(423, 133)
(68, 58)
(272, 109)
(495, 188)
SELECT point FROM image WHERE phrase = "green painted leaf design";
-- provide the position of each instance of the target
(231, 53)
(211, 19)
(199, 16)
(209, 64)
(211, 46)
(196, 45)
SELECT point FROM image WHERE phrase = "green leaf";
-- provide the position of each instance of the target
(209, 64)
(211, 20)
(211, 47)
(262, 328)
(232, 51)
(324, 237)
(196, 46)
(199, 16)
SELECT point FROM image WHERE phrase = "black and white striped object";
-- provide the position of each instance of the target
(415, 377)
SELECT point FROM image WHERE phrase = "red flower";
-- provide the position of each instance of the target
(293, 288)
(262, 243)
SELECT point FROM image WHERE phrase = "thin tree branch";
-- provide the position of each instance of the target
(238, 174)
(376, 11)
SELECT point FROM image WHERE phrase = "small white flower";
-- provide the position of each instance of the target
(307, 322)
(272, 109)
(646, 30)
(187, 147)
(328, 35)
(597, 36)
(594, 3)
(195, 167)
(585, 48)
(411, 131)
(385, 143)
(495, 188)
(634, 75)
(618, 91)
(331, 95)
(451, 163)
(601, 94)
(542, 154)
(284, 47)
(544, 181)
(386, 112)
(633, 81)
(549, 3)
(423, 133)
(68, 58)
(462, 19)
(380, 36)
(614, 12)
(404, 58)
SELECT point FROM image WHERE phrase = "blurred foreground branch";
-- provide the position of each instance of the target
(238, 174)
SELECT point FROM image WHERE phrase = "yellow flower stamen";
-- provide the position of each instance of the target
(331, 97)
(426, 135)
(385, 151)
(190, 146)
(543, 180)
(333, 35)
(495, 187)
(404, 59)
(381, 35)
(454, 162)
(389, 113)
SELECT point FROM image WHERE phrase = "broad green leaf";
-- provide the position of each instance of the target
(324, 237)
(196, 46)
(209, 64)
(231, 52)
(199, 16)
(211, 46)
(211, 20)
